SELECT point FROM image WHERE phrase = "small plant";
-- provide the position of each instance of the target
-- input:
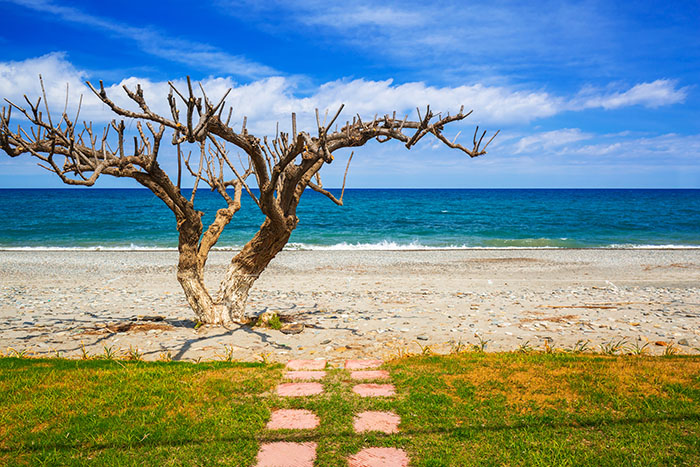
(670, 350)
(84, 353)
(275, 322)
(481, 346)
(403, 352)
(525, 347)
(166, 356)
(227, 356)
(133, 354)
(108, 352)
(547, 348)
(265, 358)
(457, 347)
(18, 353)
(637, 349)
(581, 346)
(612, 347)
(269, 319)
(424, 349)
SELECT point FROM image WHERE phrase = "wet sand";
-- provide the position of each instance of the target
(355, 303)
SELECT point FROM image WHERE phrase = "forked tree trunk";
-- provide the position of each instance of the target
(245, 268)
(247, 265)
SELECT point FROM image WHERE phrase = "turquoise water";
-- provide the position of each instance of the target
(370, 219)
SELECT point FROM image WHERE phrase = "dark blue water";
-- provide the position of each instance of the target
(383, 219)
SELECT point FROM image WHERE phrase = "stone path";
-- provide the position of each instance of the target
(306, 373)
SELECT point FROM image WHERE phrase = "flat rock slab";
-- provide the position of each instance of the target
(374, 390)
(283, 454)
(299, 389)
(362, 364)
(306, 364)
(369, 374)
(314, 375)
(291, 419)
(386, 422)
(379, 457)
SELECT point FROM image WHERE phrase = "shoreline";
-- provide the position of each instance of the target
(355, 302)
(333, 248)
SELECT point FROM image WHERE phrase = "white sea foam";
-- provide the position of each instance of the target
(626, 246)
(380, 246)
(131, 247)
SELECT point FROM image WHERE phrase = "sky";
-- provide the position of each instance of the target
(586, 94)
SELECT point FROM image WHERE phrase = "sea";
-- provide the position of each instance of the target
(371, 219)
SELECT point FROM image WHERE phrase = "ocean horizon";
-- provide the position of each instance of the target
(126, 219)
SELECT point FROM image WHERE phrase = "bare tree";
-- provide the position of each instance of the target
(282, 167)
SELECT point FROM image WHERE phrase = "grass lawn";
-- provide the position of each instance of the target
(464, 409)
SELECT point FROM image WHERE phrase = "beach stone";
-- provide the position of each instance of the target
(292, 419)
(386, 422)
(292, 328)
(305, 374)
(683, 342)
(299, 389)
(285, 454)
(374, 390)
(306, 364)
(369, 374)
(379, 457)
(362, 364)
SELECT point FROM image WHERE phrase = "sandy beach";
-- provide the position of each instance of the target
(379, 303)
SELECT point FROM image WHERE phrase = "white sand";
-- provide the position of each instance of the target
(370, 303)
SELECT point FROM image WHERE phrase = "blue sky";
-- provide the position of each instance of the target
(586, 94)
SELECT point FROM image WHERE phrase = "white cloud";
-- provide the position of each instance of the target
(22, 77)
(153, 42)
(655, 94)
(573, 147)
(269, 100)
(549, 140)
(362, 16)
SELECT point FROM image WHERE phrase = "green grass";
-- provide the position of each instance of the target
(465, 409)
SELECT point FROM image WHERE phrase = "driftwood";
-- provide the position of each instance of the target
(282, 167)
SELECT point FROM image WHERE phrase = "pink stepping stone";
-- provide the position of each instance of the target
(283, 454)
(386, 422)
(379, 457)
(315, 375)
(306, 364)
(374, 390)
(362, 364)
(291, 419)
(299, 389)
(369, 374)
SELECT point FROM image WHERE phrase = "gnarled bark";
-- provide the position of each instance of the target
(248, 264)
(190, 275)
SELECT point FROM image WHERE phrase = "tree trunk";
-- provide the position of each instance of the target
(190, 274)
(247, 265)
